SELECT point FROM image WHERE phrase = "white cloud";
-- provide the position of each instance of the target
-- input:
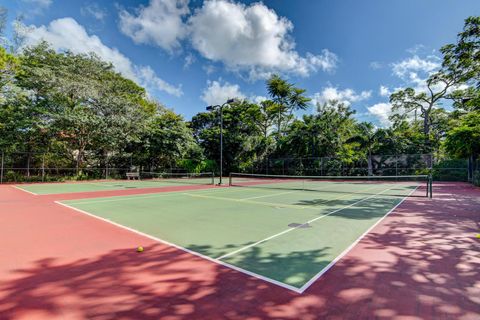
(381, 111)
(218, 93)
(39, 3)
(384, 91)
(152, 81)
(252, 39)
(95, 11)
(160, 23)
(416, 49)
(209, 69)
(346, 96)
(415, 70)
(375, 65)
(189, 59)
(67, 34)
(258, 99)
(36, 7)
(411, 66)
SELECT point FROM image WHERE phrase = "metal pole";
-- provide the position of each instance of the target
(221, 144)
(1, 168)
(396, 165)
(106, 167)
(43, 168)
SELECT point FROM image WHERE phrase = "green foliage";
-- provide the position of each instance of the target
(286, 98)
(463, 140)
(87, 116)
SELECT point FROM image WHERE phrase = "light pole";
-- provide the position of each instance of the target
(211, 108)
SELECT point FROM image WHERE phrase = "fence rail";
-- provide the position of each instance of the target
(43, 167)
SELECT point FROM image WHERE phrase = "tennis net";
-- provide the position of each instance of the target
(395, 185)
(181, 178)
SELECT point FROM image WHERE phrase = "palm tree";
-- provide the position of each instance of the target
(369, 138)
(286, 97)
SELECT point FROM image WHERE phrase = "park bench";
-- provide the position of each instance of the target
(133, 175)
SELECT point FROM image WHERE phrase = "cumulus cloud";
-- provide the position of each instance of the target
(415, 70)
(94, 10)
(160, 23)
(384, 91)
(382, 112)
(346, 96)
(218, 93)
(410, 67)
(67, 34)
(252, 38)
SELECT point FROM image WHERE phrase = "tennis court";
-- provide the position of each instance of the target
(147, 180)
(284, 230)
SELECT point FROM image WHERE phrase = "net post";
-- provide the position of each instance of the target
(431, 186)
(230, 179)
(428, 186)
(2, 167)
(43, 167)
(106, 167)
(213, 178)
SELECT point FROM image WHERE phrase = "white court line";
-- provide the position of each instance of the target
(269, 195)
(100, 184)
(278, 205)
(294, 228)
(282, 193)
(225, 264)
(140, 196)
(268, 204)
(35, 194)
(341, 255)
(325, 200)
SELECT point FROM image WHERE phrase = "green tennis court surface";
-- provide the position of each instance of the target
(57, 188)
(285, 236)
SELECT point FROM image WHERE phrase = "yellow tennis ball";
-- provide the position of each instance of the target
(140, 249)
(478, 236)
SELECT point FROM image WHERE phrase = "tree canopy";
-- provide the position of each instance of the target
(79, 106)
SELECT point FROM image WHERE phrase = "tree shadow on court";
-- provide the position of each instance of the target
(372, 208)
(422, 262)
(159, 283)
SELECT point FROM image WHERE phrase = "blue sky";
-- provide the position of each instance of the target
(189, 54)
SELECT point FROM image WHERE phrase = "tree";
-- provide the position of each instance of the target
(287, 99)
(242, 137)
(15, 118)
(369, 139)
(463, 140)
(324, 134)
(165, 140)
(407, 101)
(463, 58)
(79, 99)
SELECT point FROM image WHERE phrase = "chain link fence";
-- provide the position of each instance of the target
(476, 173)
(49, 167)
(442, 169)
(45, 167)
